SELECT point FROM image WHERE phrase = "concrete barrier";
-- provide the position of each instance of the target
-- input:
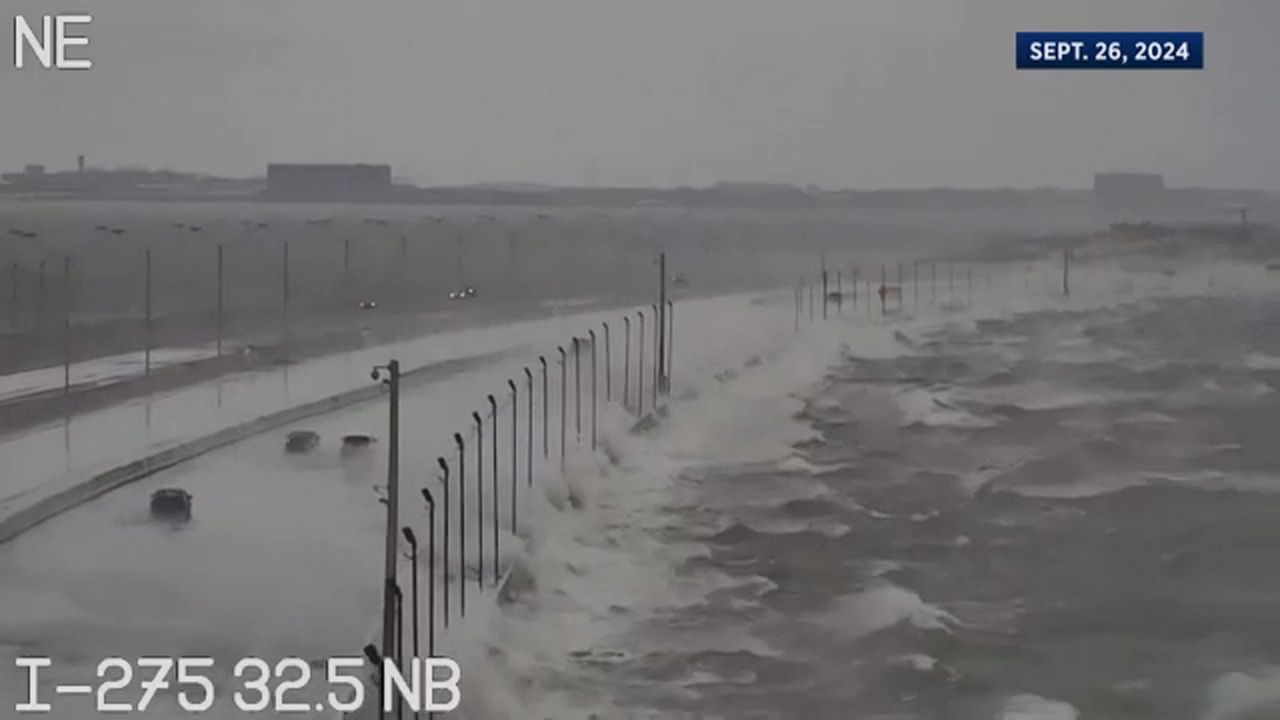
(79, 493)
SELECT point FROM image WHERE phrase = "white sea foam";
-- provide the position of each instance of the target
(882, 607)
(1253, 695)
(1034, 707)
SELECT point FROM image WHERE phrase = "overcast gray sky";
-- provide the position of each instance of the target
(842, 93)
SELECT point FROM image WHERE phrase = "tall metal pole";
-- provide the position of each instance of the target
(839, 293)
(220, 321)
(462, 523)
(901, 286)
(564, 398)
(577, 388)
(662, 323)
(592, 335)
(444, 483)
(398, 648)
(392, 381)
(146, 302)
(546, 406)
(480, 499)
(497, 550)
(640, 374)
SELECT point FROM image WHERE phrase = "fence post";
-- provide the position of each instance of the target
(1066, 271)
(824, 294)
(515, 446)
(577, 389)
(640, 373)
(221, 319)
(146, 353)
(657, 358)
(592, 335)
(671, 340)
(479, 499)
(66, 331)
(884, 291)
(284, 328)
(493, 408)
(444, 483)
(528, 443)
(546, 403)
(915, 282)
(462, 523)
(13, 297)
(795, 295)
(660, 327)
(626, 362)
(564, 399)
(608, 366)
(839, 293)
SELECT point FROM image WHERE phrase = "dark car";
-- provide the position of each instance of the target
(301, 441)
(356, 444)
(171, 504)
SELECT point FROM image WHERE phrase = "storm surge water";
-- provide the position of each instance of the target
(1021, 507)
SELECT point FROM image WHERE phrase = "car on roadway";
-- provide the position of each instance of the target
(301, 441)
(172, 504)
(465, 293)
(356, 444)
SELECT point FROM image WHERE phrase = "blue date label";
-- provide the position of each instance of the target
(1110, 50)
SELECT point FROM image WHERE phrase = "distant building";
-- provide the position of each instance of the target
(1125, 186)
(325, 182)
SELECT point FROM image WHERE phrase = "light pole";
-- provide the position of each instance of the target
(444, 483)
(392, 381)
(462, 523)
(431, 576)
(479, 497)
(493, 408)
(413, 593)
